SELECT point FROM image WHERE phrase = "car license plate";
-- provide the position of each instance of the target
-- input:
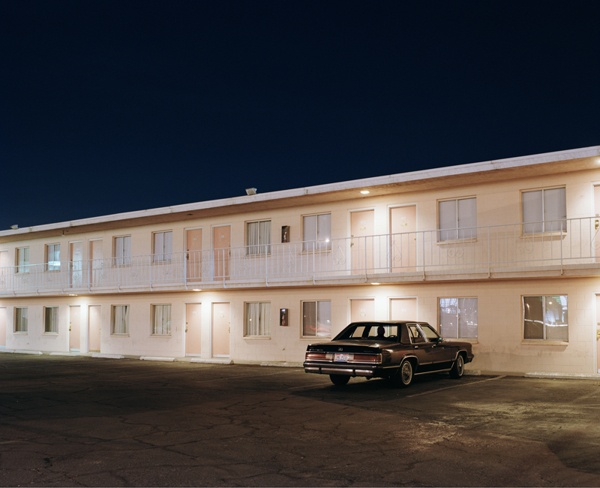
(341, 357)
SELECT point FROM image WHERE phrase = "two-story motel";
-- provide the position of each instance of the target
(504, 254)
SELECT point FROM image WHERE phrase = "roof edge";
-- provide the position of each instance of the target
(412, 176)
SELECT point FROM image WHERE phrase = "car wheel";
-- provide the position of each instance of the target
(458, 368)
(339, 379)
(404, 376)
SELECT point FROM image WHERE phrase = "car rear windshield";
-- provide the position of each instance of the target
(370, 331)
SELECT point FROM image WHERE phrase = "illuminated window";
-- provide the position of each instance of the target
(161, 319)
(53, 257)
(122, 250)
(458, 318)
(119, 319)
(22, 260)
(21, 320)
(163, 247)
(51, 320)
(457, 219)
(317, 232)
(546, 318)
(544, 211)
(258, 319)
(258, 238)
(316, 319)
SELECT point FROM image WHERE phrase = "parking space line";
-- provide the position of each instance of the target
(456, 386)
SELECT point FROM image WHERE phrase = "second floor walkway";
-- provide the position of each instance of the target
(492, 252)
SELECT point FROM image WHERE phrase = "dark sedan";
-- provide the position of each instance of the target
(397, 351)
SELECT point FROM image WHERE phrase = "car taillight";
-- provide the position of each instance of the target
(367, 358)
(319, 356)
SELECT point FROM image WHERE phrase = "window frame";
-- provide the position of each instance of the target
(122, 250)
(53, 251)
(51, 320)
(163, 328)
(22, 259)
(262, 312)
(546, 330)
(21, 324)
(544, 224)
(317, 238)
(258, 241)
(317, 319)
(461, 319)
(464, 225)
(123, 316)
(162, 247)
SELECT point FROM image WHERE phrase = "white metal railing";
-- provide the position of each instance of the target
(404, 256)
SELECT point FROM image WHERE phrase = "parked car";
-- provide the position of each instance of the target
(397, 351)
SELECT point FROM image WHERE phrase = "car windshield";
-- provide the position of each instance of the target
(370, 331)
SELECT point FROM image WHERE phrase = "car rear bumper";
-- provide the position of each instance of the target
(364, 370)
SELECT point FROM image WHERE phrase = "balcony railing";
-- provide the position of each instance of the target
(491, 252)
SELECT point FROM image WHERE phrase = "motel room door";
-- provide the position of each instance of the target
(403, 309)
(74, 328)
(220, 329)
(193, 255)
(94, 328)
(221, 251)
(97, 259)
(193, 323)
(76, 264)
(598, 333)
(362, 309)
(362, 224)
(403, 237)
(2, 327)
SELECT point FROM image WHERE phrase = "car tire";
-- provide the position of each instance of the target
(404, 375)
(458, 368)
(339, 379)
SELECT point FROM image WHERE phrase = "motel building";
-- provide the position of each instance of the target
(504, 254)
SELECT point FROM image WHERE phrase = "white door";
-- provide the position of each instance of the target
(221, 251)
(97, 260)
(362, 226)
(362, 309)
(76, 264)
(598, 333)
(220, 329)
(2, 327)
(403, 309)
(74, 328)
(193, 323)
(403, 237)
(94, 327)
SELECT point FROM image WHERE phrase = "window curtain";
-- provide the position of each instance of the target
(123, 251)
(163, 246)
(258, 319)
(51, 319)
(317, 232)
(258, 237)
(162, 320)
(544, 211)
(120, 319)
(457, 219)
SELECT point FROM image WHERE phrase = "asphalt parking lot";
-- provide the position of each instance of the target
(78, 421)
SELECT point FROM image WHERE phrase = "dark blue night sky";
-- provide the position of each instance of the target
(113, 106)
